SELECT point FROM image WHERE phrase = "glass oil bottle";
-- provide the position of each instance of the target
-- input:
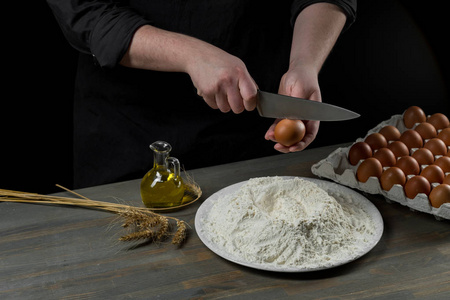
(162, 186)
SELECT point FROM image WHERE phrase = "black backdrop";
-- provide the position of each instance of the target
(393, 56)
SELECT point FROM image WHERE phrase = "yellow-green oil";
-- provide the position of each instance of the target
(161, 189)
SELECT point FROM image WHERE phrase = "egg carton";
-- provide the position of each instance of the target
(336, 167)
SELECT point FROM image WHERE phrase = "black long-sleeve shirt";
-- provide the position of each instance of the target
(119, 111)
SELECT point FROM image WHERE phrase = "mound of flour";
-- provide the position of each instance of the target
(289, 223)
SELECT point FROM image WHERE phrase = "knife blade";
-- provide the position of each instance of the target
(271, 105)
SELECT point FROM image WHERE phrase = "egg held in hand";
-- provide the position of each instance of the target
(289, 132)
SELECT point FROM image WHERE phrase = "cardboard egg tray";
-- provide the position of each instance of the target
(337, 168)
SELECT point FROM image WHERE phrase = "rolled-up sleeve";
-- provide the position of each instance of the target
(103, 29)
(347, 6)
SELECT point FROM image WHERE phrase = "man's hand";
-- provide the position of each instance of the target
(298, 82)
(223, 81)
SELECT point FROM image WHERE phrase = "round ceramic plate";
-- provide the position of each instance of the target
(364, 203)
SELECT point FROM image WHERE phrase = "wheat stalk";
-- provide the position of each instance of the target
(180, 234)
(143, 222)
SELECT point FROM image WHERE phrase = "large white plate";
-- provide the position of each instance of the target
(205, 237)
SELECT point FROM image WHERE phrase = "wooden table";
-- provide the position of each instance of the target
(56, 252)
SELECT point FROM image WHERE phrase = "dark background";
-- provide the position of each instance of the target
(392, 57)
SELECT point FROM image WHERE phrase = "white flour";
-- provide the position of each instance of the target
(289, 223)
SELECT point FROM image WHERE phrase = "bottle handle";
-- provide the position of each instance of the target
(174, 164)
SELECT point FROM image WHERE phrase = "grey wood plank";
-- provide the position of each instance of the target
(56, 252)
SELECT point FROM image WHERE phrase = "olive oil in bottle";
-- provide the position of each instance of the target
(162, 186)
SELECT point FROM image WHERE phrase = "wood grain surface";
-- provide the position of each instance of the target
(56, 252)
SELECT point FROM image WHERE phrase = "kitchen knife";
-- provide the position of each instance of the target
(271, 105)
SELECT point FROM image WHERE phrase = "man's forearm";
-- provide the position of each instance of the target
(221, 79)
(316, 30)
(155, 49)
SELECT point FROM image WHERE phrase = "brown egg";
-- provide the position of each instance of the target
(444, 163)
(423, 156)
(358, 151)
(439, 121)
(440, 195)
(437, 146)
(446, 179)
(426, 130)
(433, 173)
(444, 135)
(385, 156)
(411, 139)
(417, 185)
(391, 133)
(409, 165)
(413, 115)
(376, 141)
(370, 167)
(392, 176)
(289, 132)
(398, 148)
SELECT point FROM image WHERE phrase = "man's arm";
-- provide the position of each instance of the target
(220, 78)
(316, 30)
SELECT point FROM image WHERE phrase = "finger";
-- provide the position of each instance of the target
(250, 102)
(302, 144)
(312, 128)
(211, 102)
(222, 102)
(281, 148)
(270, 134)
(249, 91)
(235, 100)
(311, 133)
(298, 147)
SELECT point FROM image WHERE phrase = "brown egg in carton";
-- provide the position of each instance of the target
(338, 168)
